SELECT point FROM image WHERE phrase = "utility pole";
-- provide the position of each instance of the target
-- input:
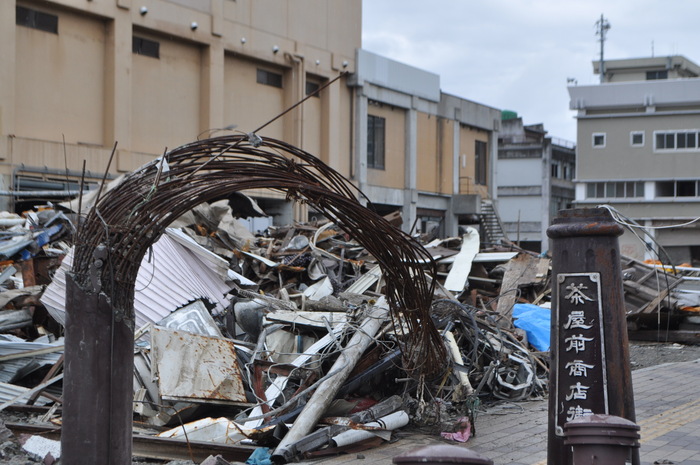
(602, 26)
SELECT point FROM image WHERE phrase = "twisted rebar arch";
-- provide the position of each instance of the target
(128, 219)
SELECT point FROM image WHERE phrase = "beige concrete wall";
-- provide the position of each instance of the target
(427, 179)
(337, 124)
(248, 104)
(85, 83)
(60, 81)
(165, 96)
(394, 173)
(468, 137)
(312, 115)
(435, 154)
(446, 153)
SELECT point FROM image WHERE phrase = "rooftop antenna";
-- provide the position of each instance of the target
(602, 26)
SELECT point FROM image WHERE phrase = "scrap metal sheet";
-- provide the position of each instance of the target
(192, 367)
(169, 278)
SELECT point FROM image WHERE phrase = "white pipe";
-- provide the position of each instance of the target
(388, 423)
(326, 391)
(457, 358)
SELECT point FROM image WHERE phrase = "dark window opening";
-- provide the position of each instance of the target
(686, 140)
(665, 189)
(480, 163)
(555, 170)
(376, 127)
(145, 47)
(312, 88)
(638, 138)
(665, 140)
(269, 78)
(686, 189)
(598, 140)
(654, 75)
(37, 20)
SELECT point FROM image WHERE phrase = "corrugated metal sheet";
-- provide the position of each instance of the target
(10, 368)
(10, 391)
(170, 277)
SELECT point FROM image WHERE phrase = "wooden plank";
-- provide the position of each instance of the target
(524, 269)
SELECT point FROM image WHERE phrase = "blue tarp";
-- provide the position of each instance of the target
(535, 321)
(260, 456)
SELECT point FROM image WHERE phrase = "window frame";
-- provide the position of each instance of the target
(637, 133)
(593, 140)
(481, 163)
(312, 88)
(676, 140)
(615, 190)
(376, 142)
(152, 51)
(36, 19)
(555, 170)
(678, 187)
(270, 78)
(657, 75)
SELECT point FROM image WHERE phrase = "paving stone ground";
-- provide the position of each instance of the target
(667, 405)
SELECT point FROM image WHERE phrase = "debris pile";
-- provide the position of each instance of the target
(302, 341)
(238, 334)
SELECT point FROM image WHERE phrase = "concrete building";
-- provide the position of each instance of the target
(428, 154)
(78, 76)
(534, 181)
(638, 150)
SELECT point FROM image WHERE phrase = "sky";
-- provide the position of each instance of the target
(518, 54)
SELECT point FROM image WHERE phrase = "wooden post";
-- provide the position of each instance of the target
(590, 370)
(98, 383)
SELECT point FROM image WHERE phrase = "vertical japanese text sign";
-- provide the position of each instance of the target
(581, 375)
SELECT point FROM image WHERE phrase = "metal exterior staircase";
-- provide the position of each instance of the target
(492, 228)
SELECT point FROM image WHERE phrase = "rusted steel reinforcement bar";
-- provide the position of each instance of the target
(117, 232)
(130, 218)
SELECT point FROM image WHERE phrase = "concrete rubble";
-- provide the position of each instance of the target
(280, 344)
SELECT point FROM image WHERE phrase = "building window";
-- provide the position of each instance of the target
(677, 188)
(637, 139)
(599, 140)
(480, 163)
(145, 47)
(312, 88)
(555, 170)
(568, 171)
(37, 20)
(684, 140)
(654, 75)
(269, 78)
(615, 189)
(376, 128)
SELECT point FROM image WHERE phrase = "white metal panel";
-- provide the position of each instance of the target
(192, 367)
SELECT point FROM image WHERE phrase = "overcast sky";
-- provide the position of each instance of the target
(518, 54)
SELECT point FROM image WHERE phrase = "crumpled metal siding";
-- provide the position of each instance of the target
(169, 278)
